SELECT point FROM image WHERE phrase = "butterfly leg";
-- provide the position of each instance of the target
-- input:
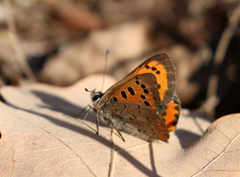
(85, 108)
(119, 133)
(87, 111)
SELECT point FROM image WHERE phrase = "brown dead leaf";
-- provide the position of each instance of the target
(87, 57)
(40, 138)
(74, 16)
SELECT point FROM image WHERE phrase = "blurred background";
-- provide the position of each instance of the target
(59, 42)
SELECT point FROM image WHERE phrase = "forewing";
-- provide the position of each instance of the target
(162, 68)
(139, 89)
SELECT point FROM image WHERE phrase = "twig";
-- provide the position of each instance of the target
(110, 172)
(219, 56)
(19, 54)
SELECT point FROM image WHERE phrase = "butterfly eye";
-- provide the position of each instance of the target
(97, 96)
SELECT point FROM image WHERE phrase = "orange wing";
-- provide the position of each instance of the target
(170, 112)
(141, 89)
(162, 68)
(151, 83)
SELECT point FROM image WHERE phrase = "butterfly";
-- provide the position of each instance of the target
(144, 103)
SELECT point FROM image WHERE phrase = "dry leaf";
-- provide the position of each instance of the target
(87, 56)
(40, 138)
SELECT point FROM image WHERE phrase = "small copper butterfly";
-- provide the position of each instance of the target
(144, 103)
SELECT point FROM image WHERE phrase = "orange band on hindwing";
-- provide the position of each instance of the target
(170, 112)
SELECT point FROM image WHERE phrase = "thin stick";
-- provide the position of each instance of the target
(112, 155)
(152, 158)
(19, 54)
(219, 56)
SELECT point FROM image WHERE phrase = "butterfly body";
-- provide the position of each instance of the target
(144, 103)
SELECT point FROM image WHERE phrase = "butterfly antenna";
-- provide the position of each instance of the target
(87, 90)
(105, 68)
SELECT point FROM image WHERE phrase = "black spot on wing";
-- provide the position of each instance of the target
(147, 67)
(158, 72)
(143, 86)
(146, 91)
(153, 68)
(174, 123)
(146, 103)
(115, 99)
(131, 91)
(124, 95)
(143, 97)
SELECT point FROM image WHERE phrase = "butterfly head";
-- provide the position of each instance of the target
(95, 96)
